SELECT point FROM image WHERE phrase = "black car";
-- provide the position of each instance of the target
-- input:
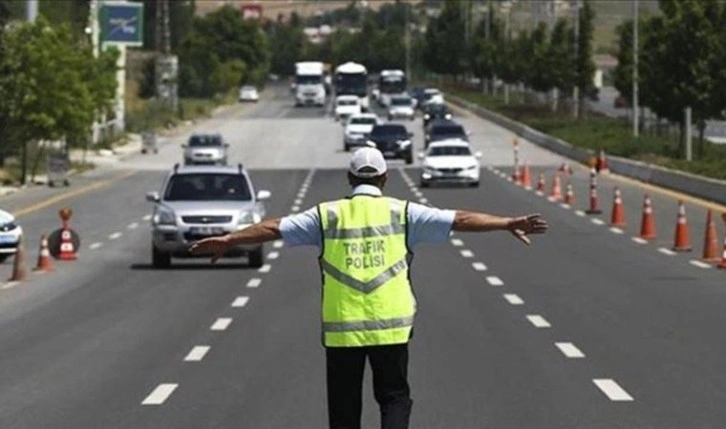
(417, 93)
(393, 140)
(435, 111)
(443, 129)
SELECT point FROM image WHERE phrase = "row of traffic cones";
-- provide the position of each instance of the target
(67, 253)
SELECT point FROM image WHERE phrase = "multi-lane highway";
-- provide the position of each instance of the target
(586, 328)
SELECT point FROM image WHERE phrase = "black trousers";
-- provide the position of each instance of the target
(345, 366)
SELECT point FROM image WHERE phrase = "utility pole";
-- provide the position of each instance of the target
(576, 88)
(636, 119)
(31, 10)
(408, 41)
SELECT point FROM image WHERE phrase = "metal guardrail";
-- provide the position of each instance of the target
(699, 186)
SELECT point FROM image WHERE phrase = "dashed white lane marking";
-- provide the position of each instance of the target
(565, 206)
(301, 195)
(616, 230)
(273, 255)
(94, 246)
(479, 266)
(240, 301)
(457, 242)
(10, 285)
(640, 240)
(265, 268)
(298, 201)
(254, 282)
(423, 200)
(495, 281)
(221, 324)
(295, 209)
(147, 217)
(418, 194)
(278, 244)
(597, 221)
(159, 395)
(513, 299)
(570, 350)
(467, 253)
(538, 321)
(114, 236)
(133, 225)
(580, 213)
(539, 193)
(699, 264)
(665, 251)
(197, 354)
(612, 390)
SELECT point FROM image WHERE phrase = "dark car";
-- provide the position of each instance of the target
(417, 93)
(432, 112)
(393, 140)
(443, 129)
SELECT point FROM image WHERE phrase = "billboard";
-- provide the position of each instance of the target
(251, 11)
(122, 23)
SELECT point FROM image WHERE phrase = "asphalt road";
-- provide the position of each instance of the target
(584, 329)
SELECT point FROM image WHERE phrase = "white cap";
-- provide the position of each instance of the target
(367, 162)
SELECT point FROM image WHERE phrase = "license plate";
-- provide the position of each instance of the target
(206, 230)
(389, 153)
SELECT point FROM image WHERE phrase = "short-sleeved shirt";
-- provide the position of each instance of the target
(425, 224)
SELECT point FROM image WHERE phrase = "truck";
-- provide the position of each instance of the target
(352, 79)
(390, 83)
(309, 83)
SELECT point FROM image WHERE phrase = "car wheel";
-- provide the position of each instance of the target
(257, 258)
(3, 258)
(346, 148)
(474, 185)
(409, 158)
(160, 259)
(424, 184)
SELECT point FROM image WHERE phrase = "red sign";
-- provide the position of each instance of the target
(251, 11)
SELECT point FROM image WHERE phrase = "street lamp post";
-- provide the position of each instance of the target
(576, 88)
(635, 69)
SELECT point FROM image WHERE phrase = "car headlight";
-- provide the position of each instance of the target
(248, 218)
(448, 116)
(427, 116)
(10, 226)
(472, 167)
(404, 143)
(428, 169)
(164, 216)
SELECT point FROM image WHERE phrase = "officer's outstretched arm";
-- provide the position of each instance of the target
(267, 230)
(520, 226)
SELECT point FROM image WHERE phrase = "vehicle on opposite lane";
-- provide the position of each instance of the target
(393, 140)
(205, 149)
(10, 235)
(249, 93)
(401, 106)
(204, 201)
(444, 129)
(347, 105)
(357, 129)
(450, 161)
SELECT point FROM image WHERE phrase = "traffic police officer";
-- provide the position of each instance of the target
(368, 305)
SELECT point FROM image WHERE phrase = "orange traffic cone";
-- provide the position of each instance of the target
(67, 249)
(517, 175)
(602, 162)
(647, 224)
(541, 183)
(682, 242)
(556, 194)
(594, 199)
(617, 218)
(526, 177)
(565, 168)
(44, 263)
(710, 242)
(570, 195)
(19, 271)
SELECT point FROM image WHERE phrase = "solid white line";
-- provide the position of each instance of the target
(665, 251)
(147, 217)
(295, 209)
(278, 244)
(479, 266)
(95, 246)
(580, 213)
(570, 350)
(221, 324)
(467, 253)
(495, 281)
(640, 240)
(699, 264)
(265, 268)
(457, 242)
(254, 282)
(597, 221)
(10, 285)
(538, 321)
(616, 230)
(197, 354)
(133, 225)
(423, 200)
(160, 394)
(114, 236)
(273, 255)
(612, 389)
(240, 301)
(513, 298)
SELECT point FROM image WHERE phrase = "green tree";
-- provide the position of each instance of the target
(286, 45)
(584, 64)
(560, 57)
(623, 73)
(446, 48)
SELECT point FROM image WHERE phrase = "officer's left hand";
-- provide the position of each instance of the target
(216, 246)
(522, 226)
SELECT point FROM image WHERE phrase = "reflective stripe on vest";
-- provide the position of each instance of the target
(367, 298)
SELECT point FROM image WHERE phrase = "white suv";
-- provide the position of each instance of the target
(10, 235)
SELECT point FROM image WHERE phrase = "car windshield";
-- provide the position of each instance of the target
(309, 79)
(205, 141)
(208, 187)
(449, 151)
(438, 109)
(448, 130)
(389, 130)
(248, 88)
(401, 101)
(363, 121)
(347, 102)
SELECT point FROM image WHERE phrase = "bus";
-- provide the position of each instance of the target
(390, 83)
(352, 79)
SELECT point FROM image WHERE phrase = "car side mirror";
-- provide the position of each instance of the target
(153, 197)
(371, 144)
(478, 155)
(410, 134)
(263, 195)
(421, 155)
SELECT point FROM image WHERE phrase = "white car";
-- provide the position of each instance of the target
(450, 161)
(347, 105)
(249, 93)
(357, 129)
(432, 95)
(10, 235)
(401, 106)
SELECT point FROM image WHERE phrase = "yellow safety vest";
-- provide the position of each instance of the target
(367, 296)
